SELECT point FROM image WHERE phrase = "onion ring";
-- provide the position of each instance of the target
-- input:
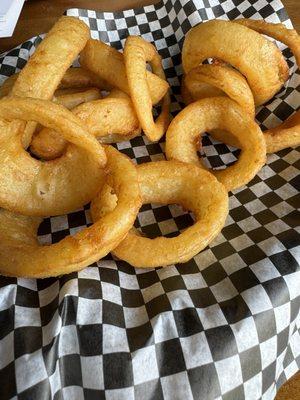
(285, 135)
(198, 90)
(108, 63)
(136, 53)
(211, 80)
(226, 79)
(22, 255)
(171, 182)
(72, 100)
(110, 119)
(74, 78)
(249, 52)
(218, 113)
(32, 187)
(79, 77)
(279, 32)
(52, 58)
(44, 70)
(47, 144)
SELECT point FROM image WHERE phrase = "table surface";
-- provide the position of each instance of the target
(39, 15)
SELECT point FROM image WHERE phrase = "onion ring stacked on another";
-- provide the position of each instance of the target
(249, 52)
(218, 113)
(22, 255)
(171, 182)
(32, 187)
(216, 80)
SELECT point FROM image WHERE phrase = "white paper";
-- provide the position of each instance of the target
(9, 20)
(5, 6)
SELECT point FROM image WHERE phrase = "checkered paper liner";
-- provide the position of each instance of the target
(225, 325)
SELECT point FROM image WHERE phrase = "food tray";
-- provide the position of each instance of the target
(225, 325)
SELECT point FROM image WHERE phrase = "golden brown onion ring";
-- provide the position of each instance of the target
(32, 187)
(289, 37)
(47, 144)
(211, 80)
(54, 55)
(285, 135)
(44, 70)
(79, 77)
(137, 53)
(111, 119)
(172, 182)
(72, 100)
(198, 90)
(218, 113)
(226, 79)
(258, 59)
(108, 63)
(22, 255)
(74, 78)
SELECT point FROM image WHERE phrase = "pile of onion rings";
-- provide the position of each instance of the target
(56, 121)
(261, 64)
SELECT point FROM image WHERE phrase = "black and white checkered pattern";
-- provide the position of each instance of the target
(225, 325)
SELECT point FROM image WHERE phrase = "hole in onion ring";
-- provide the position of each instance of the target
(215, 154)
(53, 229)
(155, 220)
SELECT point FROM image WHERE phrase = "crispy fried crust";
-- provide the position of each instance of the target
(32, 187)
(48, 64)
(22, 255)
(170, 182)
(280, 32)
(285, 135)
(217, 113)
(229, 82)
(108, 64)
(111, 119)
(258, 59)
(136, 54)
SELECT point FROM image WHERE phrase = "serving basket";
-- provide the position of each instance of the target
(225, 325)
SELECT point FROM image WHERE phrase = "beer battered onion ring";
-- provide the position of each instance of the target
(77, 96)
(74, 78)
(79, 77)
(258, 59)
(285, 135)
(32, 187)
(47, 144)
(171, 182)
(108, 64)
(48, 64)
(218, 113)
(198, 90)
(110, 119)
(229, 82)
(289, 37)
(136, 53)
(211, 80)
(22, 255)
